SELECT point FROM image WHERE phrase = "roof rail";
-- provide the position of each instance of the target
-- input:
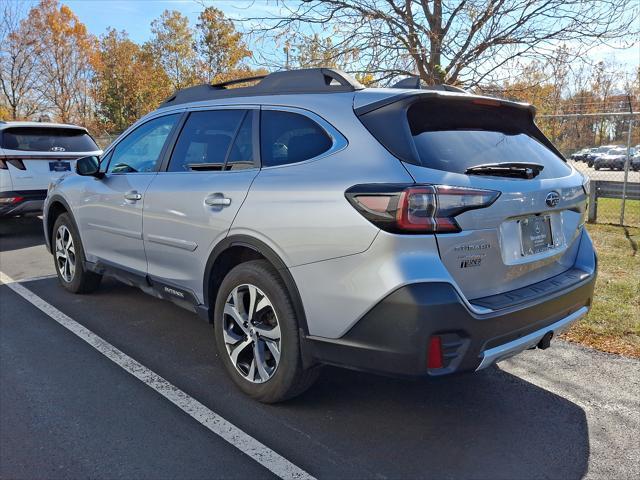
(413, 82)
(310, 80)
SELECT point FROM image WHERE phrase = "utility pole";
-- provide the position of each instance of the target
(627, 162)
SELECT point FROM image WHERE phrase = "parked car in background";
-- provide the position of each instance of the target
(597, 152)
(614, 159)
(32, 155)
(635, 161)
(315, 221)
(580, 155)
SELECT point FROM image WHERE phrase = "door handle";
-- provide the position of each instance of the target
(217, 201)
(133, 196)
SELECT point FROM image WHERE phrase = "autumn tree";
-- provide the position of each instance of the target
(458, 41)
(18, 51)
(63, 59)
(220, 48)
(172, 43)
(128, 81)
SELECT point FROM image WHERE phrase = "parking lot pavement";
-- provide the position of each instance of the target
(67, 411)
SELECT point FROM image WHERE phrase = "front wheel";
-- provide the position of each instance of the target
(69, 258)
(257, 334)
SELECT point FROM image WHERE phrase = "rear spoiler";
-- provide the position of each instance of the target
(444, 94)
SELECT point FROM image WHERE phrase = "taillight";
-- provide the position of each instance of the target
(400, 208)
(10, 200)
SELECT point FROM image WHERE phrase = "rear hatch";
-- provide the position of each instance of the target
(525, 236)
(36, 155)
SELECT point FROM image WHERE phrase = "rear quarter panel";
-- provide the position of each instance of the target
(300, 209)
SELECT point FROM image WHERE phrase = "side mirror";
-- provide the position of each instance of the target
(89, 167)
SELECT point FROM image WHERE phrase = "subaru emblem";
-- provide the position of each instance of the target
(553, 199)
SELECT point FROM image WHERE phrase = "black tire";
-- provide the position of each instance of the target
(289, 378)
(82, 280)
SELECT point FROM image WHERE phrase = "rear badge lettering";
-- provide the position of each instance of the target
(472, 247)
(470, 262)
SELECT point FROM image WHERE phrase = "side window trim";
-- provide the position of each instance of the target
(233, 140)
(135, 127)
(338, 141)
(255, 138)
(172, 140)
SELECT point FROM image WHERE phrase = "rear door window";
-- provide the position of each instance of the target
(287, 137)
(206, 140)
(47, 139)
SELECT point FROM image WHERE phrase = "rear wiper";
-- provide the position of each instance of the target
(507, 169)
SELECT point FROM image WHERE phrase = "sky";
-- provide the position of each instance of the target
(135, 17)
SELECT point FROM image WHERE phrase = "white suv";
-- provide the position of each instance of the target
(32, 155)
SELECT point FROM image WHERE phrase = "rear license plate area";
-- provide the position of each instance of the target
(535, 234)
(59, 166)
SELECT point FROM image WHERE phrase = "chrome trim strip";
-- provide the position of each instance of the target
(509, 349)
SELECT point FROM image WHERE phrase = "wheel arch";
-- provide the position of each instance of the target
(57, 205)
(237, 249)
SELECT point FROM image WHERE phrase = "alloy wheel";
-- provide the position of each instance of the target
(65, 253)
(251, 333)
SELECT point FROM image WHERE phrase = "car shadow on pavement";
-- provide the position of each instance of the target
(19, 233)
(486, 425)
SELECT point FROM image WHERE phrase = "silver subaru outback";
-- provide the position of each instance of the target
(405, 231)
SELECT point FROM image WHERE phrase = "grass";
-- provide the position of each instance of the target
(613, 324)
(609, 211)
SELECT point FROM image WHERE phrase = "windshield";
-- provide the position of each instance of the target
(47, 139)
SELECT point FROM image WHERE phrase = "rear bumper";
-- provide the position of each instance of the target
(392, 338)
(26, 202)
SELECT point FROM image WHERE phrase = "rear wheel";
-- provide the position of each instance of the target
(257, 334)
(69, 258)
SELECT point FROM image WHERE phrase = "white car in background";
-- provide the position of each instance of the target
(32, 155)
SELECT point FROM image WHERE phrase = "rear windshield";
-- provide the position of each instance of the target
(42, 139)
(454, 138)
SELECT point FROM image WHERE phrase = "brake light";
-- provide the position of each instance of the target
(417, 208)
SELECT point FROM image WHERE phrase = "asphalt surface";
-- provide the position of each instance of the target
(66, 411)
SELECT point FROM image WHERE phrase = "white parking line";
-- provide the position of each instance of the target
(244, 442)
